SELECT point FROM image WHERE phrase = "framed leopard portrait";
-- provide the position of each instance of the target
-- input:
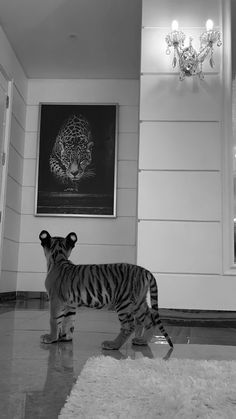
(77, 160)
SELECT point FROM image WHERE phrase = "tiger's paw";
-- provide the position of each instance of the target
(65, 338)
(110, 345)
(47, 338)
(139, 341)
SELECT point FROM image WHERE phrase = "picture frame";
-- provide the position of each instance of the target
(77, 160)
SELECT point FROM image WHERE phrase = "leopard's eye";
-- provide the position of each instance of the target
(83, 163)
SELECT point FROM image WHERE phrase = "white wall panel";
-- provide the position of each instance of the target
(180, 247)
(19, 107)
(127, 174)
(165, 97)
(15, 165)
(180, 145)
(128, 146)
(31, 144)
(124, 92)
(8, 281)
(128, 118)
(12, 225)
(32, 118)
(29, 172)
(187, 12)
(118, 231)
(31, 281)
(10, 255)
(153, 51)
(103, 254)
(13, 194)
(17, 136)
(179, 195)
(200, 292)
(126, 202)
(28, 200)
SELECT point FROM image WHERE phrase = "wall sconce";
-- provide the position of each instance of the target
(190, 61)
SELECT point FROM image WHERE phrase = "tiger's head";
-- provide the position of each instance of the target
(57, 248)
(72, 152)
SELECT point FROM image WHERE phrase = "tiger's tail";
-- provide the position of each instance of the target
(154, 308)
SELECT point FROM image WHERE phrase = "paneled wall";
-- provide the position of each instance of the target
(15, 157)
(99, 240)
(180, 164)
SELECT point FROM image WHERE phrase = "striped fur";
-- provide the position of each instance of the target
(121, 286)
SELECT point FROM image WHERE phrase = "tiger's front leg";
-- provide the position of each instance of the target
(61, 323)
(53, 335)
(68, 324)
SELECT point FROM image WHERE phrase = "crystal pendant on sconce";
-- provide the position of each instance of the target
(188, 63)
(211, 61)
(174, 62)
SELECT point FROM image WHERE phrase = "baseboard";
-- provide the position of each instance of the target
(200, 318)
(23, 295)
(7, 296)
(197, 314)
(30, 295)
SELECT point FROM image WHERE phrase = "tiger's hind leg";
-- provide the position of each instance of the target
(127, 328)
(151, 322)
(150, 319)
(145, 330)
(139, 328)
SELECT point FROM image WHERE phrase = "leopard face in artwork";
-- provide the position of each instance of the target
(71, 156)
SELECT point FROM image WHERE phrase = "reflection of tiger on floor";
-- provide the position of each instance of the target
(120, 285)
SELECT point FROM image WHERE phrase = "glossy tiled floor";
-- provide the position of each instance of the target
(35, 379)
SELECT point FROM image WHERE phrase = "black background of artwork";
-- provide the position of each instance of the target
(51, 196)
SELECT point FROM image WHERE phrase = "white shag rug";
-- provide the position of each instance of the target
(153, 388)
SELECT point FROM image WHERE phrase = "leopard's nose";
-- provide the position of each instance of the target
(74, 172)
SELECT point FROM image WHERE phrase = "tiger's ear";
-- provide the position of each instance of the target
(71, 239)
(45, 238)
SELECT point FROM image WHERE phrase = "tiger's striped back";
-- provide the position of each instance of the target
(100, 284)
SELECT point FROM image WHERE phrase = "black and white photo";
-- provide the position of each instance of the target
(76, 171)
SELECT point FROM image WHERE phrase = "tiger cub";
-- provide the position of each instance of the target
(121, 285)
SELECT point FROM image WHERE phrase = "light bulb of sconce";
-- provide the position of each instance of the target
(209, 25)
(175, 25)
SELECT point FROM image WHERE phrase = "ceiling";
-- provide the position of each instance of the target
(74, 38)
